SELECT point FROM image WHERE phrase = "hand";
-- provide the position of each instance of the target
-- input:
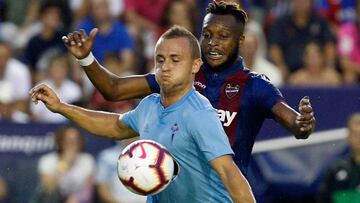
(79, 44)
(45, 94)
(306, 120)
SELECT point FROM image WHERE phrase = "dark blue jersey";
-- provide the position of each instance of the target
(243, 100)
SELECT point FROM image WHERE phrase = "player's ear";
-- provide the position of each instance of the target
(196, 65)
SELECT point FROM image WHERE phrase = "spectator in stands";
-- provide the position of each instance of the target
(57, 78)
(315, 72)
(67, 174)
(109, 188)
(253, 51)
(48, 43)
(3, 191)
(349, 48)
(15, 79)
(97, 101)
(178, 12)
(342, 181)
(289, 35)
(143, 18)
(113, 36)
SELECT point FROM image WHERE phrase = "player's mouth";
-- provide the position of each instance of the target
(214, 55)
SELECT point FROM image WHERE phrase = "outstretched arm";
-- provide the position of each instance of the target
(104, 124)
(111, 86)
(300, 124)
(235, 183)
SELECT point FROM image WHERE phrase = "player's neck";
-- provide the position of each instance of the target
(169, 98)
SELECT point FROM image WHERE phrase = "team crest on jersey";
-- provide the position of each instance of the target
(174, 129)
(231, 90)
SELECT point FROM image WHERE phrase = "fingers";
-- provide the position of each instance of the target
(305, 117)
(83, 35)
(305, 105)
(305, 121)
(305, 101)
(306, 128)
(39, 92)
(77, 38)
(66, 41)
(93, 33)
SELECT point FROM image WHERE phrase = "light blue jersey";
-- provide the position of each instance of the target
(191, 130)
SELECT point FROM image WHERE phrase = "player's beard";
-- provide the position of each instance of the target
(234, 55)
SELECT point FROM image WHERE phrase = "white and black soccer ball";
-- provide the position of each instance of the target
(145, 167)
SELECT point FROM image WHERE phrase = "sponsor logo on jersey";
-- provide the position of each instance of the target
(226, 117)
(199, 84)
(231, 90)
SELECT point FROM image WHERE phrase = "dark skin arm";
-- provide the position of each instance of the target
(111, 86)
(300, 124)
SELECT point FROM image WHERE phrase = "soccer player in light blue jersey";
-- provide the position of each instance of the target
(179, 118)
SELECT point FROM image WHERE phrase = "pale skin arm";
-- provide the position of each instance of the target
(103, 124)
(301, 123)
(105, 194)
(112, 87)
(235, 183)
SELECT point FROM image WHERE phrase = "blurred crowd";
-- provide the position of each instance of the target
(294, 43)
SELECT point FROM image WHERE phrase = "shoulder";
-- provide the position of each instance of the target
(110, 154)
(347, 28)
(86, 159)
(17, 67)
(152, 98)
(258, 79)
(198, 102)
(49, 157)
(119, 26)
(200, 107)
(48, 162)
(86, 24)
(148, 101)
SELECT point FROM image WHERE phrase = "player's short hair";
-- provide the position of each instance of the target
(60, 135)
(177, 31)
(228, 8)
(354, 119)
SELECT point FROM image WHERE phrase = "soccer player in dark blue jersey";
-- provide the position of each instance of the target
(243, 99)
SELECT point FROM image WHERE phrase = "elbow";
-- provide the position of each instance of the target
(110, 97)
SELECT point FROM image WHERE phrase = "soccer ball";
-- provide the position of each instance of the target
(145, 167)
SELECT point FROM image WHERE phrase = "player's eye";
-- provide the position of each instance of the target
(206, 35)
(160, 60)
(224, 36)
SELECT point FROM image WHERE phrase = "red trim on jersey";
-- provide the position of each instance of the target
(230, 99)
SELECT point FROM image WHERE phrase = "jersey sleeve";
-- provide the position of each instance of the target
(266, 95)
(131, 118)
(154, 86)
(208, 133)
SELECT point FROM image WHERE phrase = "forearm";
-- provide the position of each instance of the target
(238, 187)
(102, 79)
(287, 117)
(115, 88)
(105, 194)
(99, 123)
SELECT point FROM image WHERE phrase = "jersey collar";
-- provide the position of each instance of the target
(178, 103)
(238, 65)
